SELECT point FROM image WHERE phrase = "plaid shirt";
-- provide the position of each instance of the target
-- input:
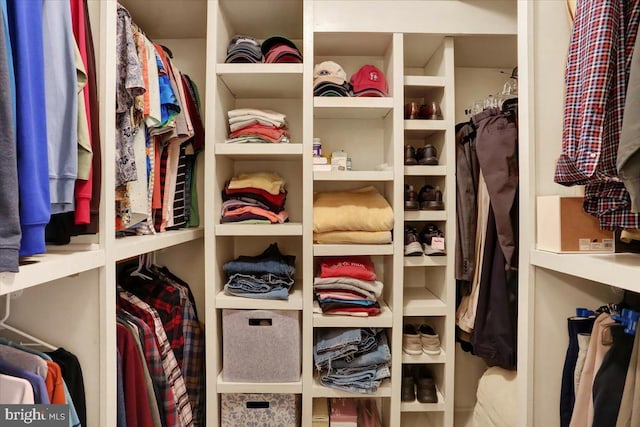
(598, 67)
(146, 313)
(193, 362)
(166, 403)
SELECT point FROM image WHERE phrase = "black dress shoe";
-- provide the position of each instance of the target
(427, 155)
(410, 155)
(408, 385)
(410, 199)
(425, 385)
(430, 198)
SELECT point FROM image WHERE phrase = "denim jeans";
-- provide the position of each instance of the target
(262, 283)
(381, 355)
(333, 344)
(274, 293)
(270, 261)
(356, 380)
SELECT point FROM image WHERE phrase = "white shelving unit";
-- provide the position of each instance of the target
(425, 216)
(233, 387)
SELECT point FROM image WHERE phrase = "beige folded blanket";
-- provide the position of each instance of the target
(363, 209)
(270, 182)
(349, 237)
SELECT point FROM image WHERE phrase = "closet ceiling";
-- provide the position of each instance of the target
(189, 21)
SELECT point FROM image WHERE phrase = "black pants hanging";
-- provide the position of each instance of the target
(576, 326)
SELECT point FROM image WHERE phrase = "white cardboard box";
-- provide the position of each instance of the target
(564, 227)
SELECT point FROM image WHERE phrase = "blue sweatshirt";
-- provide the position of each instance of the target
(25, 30)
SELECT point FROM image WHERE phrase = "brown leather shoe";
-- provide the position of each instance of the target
(427, 155)
(431, 198)
(410, 155)
(410, 199)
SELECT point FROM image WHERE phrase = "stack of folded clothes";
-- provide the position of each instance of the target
(329, 79)
(254, 198)
(355, 360)
(347, 286)
(355, 216)
(244, 49)
(250, 125)
(269, 275)
(276, 49)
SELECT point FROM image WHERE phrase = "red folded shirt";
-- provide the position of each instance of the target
(358, 267)
(370, 311)
(275, 200)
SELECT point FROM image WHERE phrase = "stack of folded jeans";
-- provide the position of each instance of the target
(355, 360)
(250, 125)
(269, 275)
(347, 286)
(254, 198)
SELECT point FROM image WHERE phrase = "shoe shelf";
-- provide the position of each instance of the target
(351, 250)
(259, 151)
(228, 301)
(328, 107)
(410, 359)
(235, 387)
(425, 261)
(421, 302)
(430, 125)
(318, 390)
(262, 80)
(383, 320)
(416, 406)
(44, 268)
(287, 229)
(594, 267)
(425, 81)
(131, 246)
(425, 215)
(422, 170)
(353, 176)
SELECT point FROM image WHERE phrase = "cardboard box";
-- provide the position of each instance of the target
(564, 227)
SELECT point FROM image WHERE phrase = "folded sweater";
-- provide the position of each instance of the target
(363, 209)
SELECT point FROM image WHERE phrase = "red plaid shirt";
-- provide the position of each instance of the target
(598, 65)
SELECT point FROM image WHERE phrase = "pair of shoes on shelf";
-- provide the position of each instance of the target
(410, 198)
(430, 241)
(430, 198)
(428, 111)
(427, 155)
(420, 339)
(418, 383)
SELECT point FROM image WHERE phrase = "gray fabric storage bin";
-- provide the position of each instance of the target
(261, 346)
(260, 410)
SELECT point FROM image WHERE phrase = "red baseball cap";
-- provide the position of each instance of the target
(369, 81)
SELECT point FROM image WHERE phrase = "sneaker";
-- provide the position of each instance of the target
(429, 340)
(427, 155)
(411, 343)
(431, 198)
(412, 244)
(410, 199)
(432, 240)
(410, 155)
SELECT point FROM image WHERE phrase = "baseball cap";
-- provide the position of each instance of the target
(369, 81)
(243, 48)
(329, 71)
(280, 49)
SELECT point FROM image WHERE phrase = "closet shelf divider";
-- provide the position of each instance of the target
(425, 81)
(354, 176)
(426, 125)
(425, 261)
(262, 80)
(259, 151)
(227, 301)
(278, 388)
(425, 215)
(352, 250)
(287, 229)
(131, 246)
(351, 107)
(440, 170)
(421, 302)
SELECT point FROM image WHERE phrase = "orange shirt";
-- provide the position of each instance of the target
(54, 384)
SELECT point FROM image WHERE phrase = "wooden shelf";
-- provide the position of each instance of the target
(349, 250)
(130, 246)
(424, 81)
(425, 261)
(318, 390)
(328, 107)
(262, 80)
(233, 387)
(228, 301)
(287, 229)
(430, 125)
(425, 215)
(421, 302)
(416, 406)
(619, 270)
(383, 320)
(259, 151)
(50, 266)
(353, 176)
(420, 170)
(424, 358)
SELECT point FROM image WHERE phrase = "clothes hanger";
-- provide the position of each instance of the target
(138, 272)
(34, 341)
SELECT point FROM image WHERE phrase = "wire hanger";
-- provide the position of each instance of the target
(34, 340)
